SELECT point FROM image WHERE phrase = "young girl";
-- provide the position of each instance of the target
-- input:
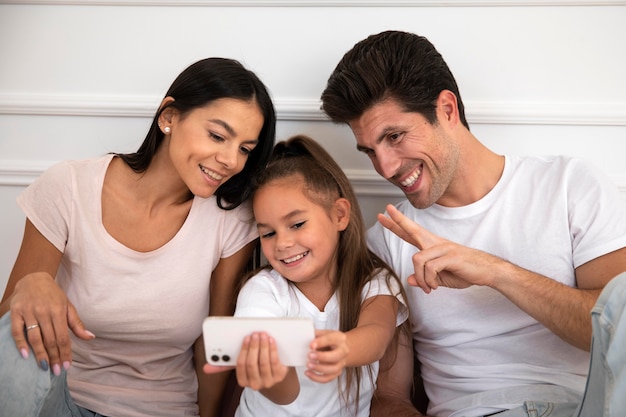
(313, 236)
(137, 248)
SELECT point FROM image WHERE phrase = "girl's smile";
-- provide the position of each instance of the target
(296, 258)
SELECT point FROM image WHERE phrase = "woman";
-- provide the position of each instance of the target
(143, 246)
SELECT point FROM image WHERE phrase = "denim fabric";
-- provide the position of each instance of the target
(605, 394)
(28, 391)
(541, 409)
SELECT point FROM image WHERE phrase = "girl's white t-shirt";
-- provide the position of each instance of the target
(145, 308)
(268, 294)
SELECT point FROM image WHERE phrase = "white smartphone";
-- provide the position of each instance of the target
(223, 336)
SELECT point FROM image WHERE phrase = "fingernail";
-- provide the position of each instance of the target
(90, 334)
(24, 353)
(66, 365)
(56, 369)
(44, 364)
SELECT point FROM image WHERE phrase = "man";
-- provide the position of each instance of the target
(504, 256)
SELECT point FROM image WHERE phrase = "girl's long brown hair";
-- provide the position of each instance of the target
(356, 265)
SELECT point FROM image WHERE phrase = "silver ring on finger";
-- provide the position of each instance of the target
(31, 327)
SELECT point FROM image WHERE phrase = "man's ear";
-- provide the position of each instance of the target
(448, 108)
(341, 210)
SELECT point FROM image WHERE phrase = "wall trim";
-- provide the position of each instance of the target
(322, 3)
(366, 183)
(21, 173)
(533, 113)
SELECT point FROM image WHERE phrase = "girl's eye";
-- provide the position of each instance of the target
(246, 151)
(298, 225)
(267, 235)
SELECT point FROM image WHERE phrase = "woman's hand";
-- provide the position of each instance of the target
(41, 316)
(327, 359)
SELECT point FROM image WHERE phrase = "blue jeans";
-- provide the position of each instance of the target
(605, 394)
(28, 391)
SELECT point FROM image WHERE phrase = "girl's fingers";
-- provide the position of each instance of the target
(274, 358)
(320, 377)
(265, 364)
(242, 360)
(252, 362)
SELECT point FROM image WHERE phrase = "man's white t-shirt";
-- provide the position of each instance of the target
(478, 351)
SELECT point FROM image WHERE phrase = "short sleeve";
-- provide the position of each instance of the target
(239, 229)
(47, 203)
(597, 215)
(380, 285)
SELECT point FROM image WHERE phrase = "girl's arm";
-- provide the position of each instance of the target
(34, 298)
(332, 351)
(224, 283)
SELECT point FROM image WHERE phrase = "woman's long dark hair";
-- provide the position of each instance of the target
(198, 85)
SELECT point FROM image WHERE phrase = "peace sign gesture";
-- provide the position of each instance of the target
(440, 261)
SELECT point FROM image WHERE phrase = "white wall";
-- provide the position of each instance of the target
(81, 78)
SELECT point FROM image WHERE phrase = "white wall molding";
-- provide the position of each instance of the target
(545, 113)
(322, 3)
(366, 183)
(75, 105)
(21, 173)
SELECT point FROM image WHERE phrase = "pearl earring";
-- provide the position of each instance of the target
(167, 130)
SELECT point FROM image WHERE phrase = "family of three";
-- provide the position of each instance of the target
(498, 283)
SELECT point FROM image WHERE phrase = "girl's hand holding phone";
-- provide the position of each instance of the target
(258, 364)
(328, 355)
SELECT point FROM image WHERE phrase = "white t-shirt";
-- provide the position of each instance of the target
(146, 309)
(479, 352)
(268, 294)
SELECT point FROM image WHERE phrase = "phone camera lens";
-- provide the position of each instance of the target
(226, 358)
(215, 358)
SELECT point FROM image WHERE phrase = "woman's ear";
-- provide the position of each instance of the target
(165, 118)
(341, 211)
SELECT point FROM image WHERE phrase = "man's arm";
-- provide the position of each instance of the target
(394, 385)
(562, 309)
